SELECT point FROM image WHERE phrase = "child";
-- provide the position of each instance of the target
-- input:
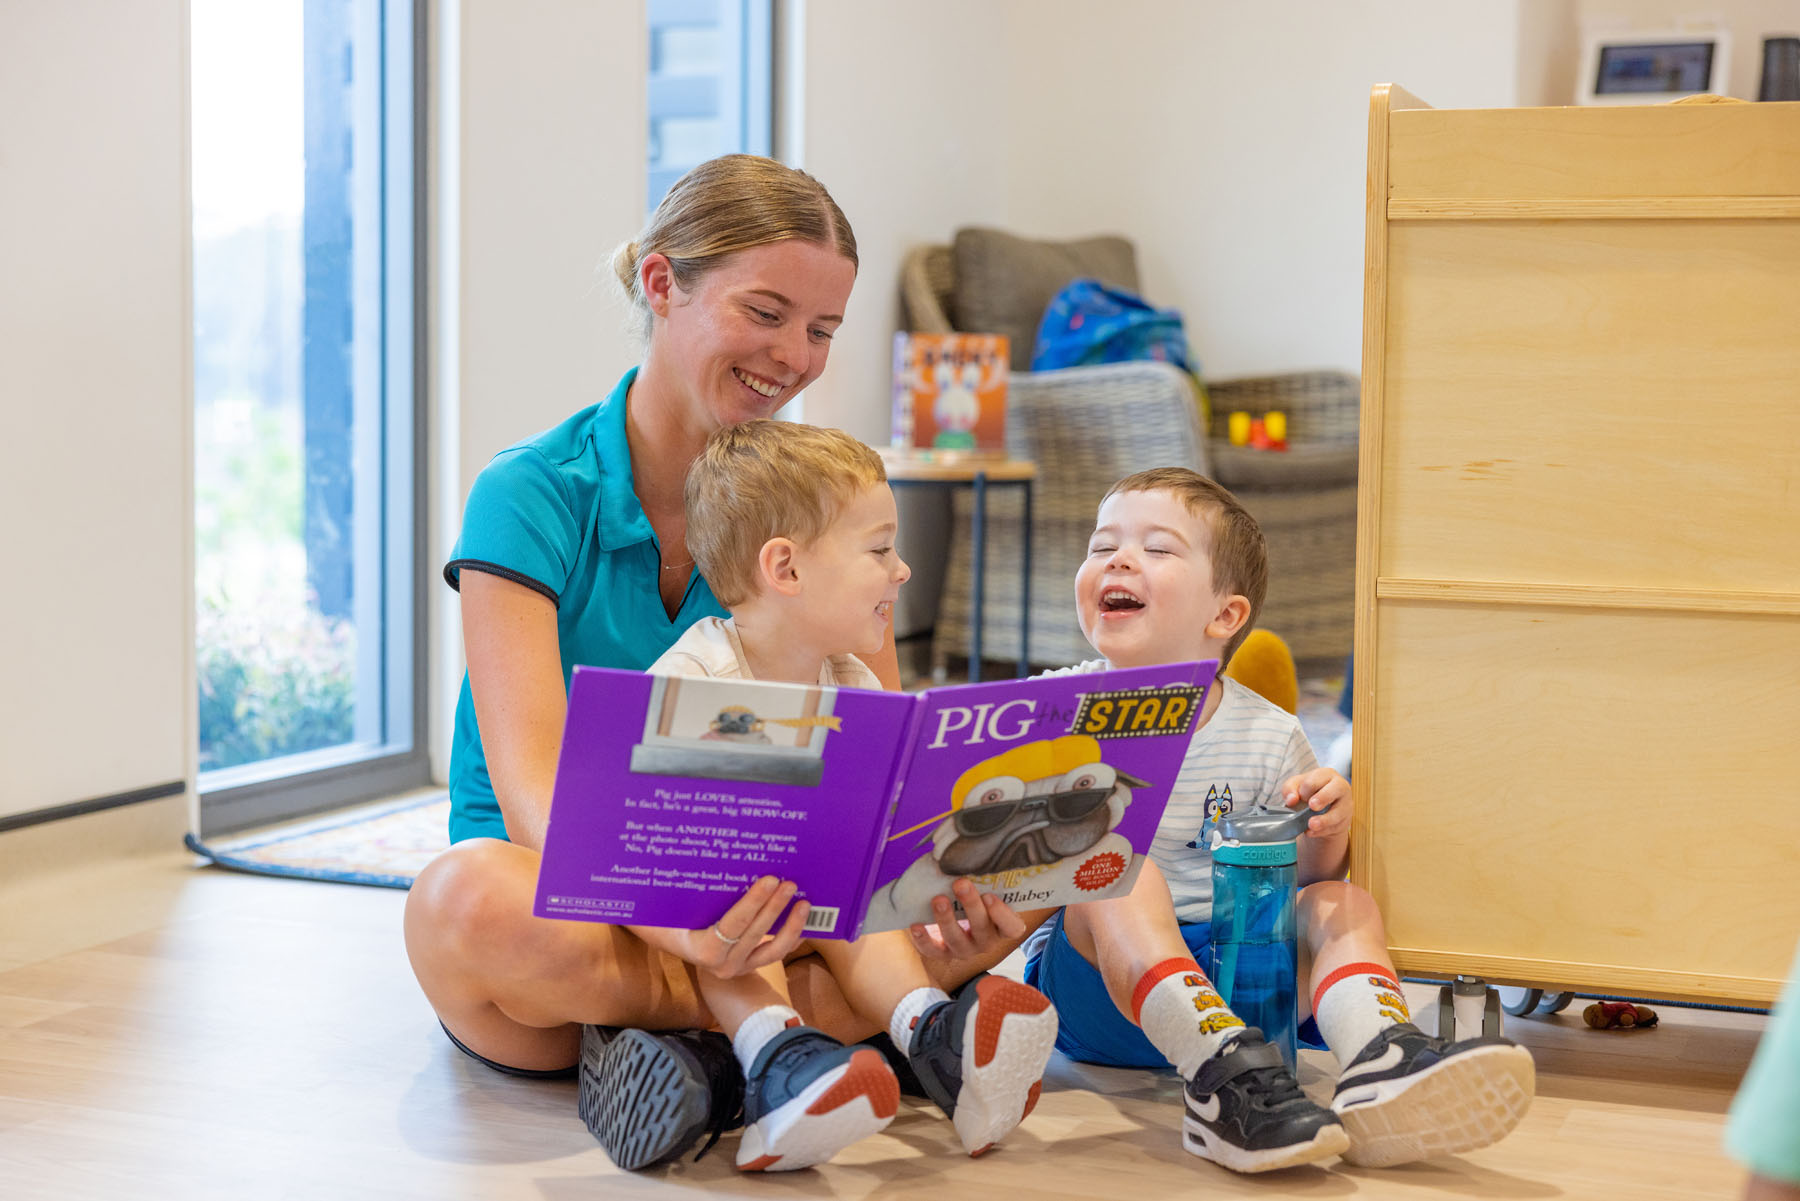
(1176, 570)
(793, 527)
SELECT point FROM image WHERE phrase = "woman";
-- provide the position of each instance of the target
(573, 550)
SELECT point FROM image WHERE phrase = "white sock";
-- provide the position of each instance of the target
(1354, 1004)
(908, 1012)
(758, 1029)
(1182, 1014)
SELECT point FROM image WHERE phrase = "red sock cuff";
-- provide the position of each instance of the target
(1353, 969)
(1157, 975)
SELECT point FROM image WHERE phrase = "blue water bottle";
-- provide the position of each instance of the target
(1254, 956)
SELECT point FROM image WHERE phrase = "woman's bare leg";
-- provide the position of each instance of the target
(517, 988)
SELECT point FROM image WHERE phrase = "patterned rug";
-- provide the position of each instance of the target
(385, 844)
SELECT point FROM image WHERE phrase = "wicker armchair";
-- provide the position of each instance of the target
(1086, 427)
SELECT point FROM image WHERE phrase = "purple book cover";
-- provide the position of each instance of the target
(674, 793)
(1045, 791)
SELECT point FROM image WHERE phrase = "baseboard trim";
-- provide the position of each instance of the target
(117, 800)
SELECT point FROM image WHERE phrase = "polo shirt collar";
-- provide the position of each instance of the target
(621, 521)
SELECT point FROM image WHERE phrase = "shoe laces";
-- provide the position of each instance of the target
(1271, 1088)
(725, 1082)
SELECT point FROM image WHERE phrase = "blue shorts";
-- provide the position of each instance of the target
(1090, 1028)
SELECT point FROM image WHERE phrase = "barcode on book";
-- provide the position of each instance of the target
(822, 918)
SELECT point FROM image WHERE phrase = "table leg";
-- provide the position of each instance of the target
(1025, 593)
(977, 565)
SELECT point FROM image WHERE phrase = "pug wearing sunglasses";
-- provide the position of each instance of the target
(1028, 824)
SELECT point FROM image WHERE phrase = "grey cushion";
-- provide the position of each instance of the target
(1004, 283)
(1301, 466)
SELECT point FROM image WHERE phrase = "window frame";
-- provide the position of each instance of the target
(294, 786)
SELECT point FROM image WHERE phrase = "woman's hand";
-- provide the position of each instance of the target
(739, 942)
(989, 925)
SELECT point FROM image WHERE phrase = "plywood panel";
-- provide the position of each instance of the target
(1588, 787)
(1593, 402)
(1649, 150)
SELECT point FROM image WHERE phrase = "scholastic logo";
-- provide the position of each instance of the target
(1137, 712)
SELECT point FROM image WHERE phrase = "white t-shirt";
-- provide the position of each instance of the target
(1239, 757)
(711, 647)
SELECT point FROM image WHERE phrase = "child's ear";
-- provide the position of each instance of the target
(1230, 619)
(778, 565)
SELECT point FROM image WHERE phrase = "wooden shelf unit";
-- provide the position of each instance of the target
(1577, 686)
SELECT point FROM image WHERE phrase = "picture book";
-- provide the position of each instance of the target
(950, 392)
(673, 794)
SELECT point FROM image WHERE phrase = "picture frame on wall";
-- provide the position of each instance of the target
(1652, 67)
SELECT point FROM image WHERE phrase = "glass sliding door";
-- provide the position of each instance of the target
(307, 416)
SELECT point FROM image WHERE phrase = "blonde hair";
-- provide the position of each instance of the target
(1239, 552)
(727, 205)
(764, 479)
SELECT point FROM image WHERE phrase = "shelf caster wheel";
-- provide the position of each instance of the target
(1555, 1002)
(1468, 1008)
(1519, 1001)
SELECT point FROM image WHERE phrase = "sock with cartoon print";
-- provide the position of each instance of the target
(1182, 1014)
(1354, 1004)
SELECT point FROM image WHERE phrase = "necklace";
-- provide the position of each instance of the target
(677, 566)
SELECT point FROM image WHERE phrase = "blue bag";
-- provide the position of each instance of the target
(1088, 322)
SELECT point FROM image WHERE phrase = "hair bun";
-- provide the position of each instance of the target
(625, 264)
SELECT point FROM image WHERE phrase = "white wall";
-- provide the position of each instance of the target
(539, 149)
(906, 124)
(95, 652)
(1229, 142)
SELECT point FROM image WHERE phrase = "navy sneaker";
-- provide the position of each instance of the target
(807, 1096)
(1246, 1112)
(1409, 1096)
(981, 1057)
(648, 1096)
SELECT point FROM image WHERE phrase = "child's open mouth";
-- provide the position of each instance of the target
(1118, 600)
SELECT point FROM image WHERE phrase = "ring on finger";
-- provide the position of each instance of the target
(724, 937)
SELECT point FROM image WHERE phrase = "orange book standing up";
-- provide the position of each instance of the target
(950, 392)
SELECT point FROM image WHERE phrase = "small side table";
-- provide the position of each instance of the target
(928, 469)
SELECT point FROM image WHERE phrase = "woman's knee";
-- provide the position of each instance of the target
(474, 903)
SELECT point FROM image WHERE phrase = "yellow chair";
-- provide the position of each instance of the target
(1264, 665)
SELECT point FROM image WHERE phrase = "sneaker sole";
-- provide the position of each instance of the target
(1197, 1139)
(847, 1103)
(1466, 1101)
(653, 1104)
(1005, 1047)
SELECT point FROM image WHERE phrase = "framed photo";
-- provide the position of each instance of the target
(1649, 68)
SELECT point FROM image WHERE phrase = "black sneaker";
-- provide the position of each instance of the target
(1409, 1096)
(649, 1096)
(981, 1057)
(807, 1096)
(1246, 1112)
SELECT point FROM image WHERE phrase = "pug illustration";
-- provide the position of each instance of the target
(1033, 820)
(735, 723)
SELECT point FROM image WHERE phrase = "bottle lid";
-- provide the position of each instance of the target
(1260, 825)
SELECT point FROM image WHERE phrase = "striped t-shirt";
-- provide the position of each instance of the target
(1239, 757)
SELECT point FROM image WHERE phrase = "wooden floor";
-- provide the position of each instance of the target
(168, 1031)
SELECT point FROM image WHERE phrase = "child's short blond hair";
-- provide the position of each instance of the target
(1240, 553)
(766, 479)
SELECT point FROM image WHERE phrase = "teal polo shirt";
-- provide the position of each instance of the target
(1764, 1131)
(558, 514)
